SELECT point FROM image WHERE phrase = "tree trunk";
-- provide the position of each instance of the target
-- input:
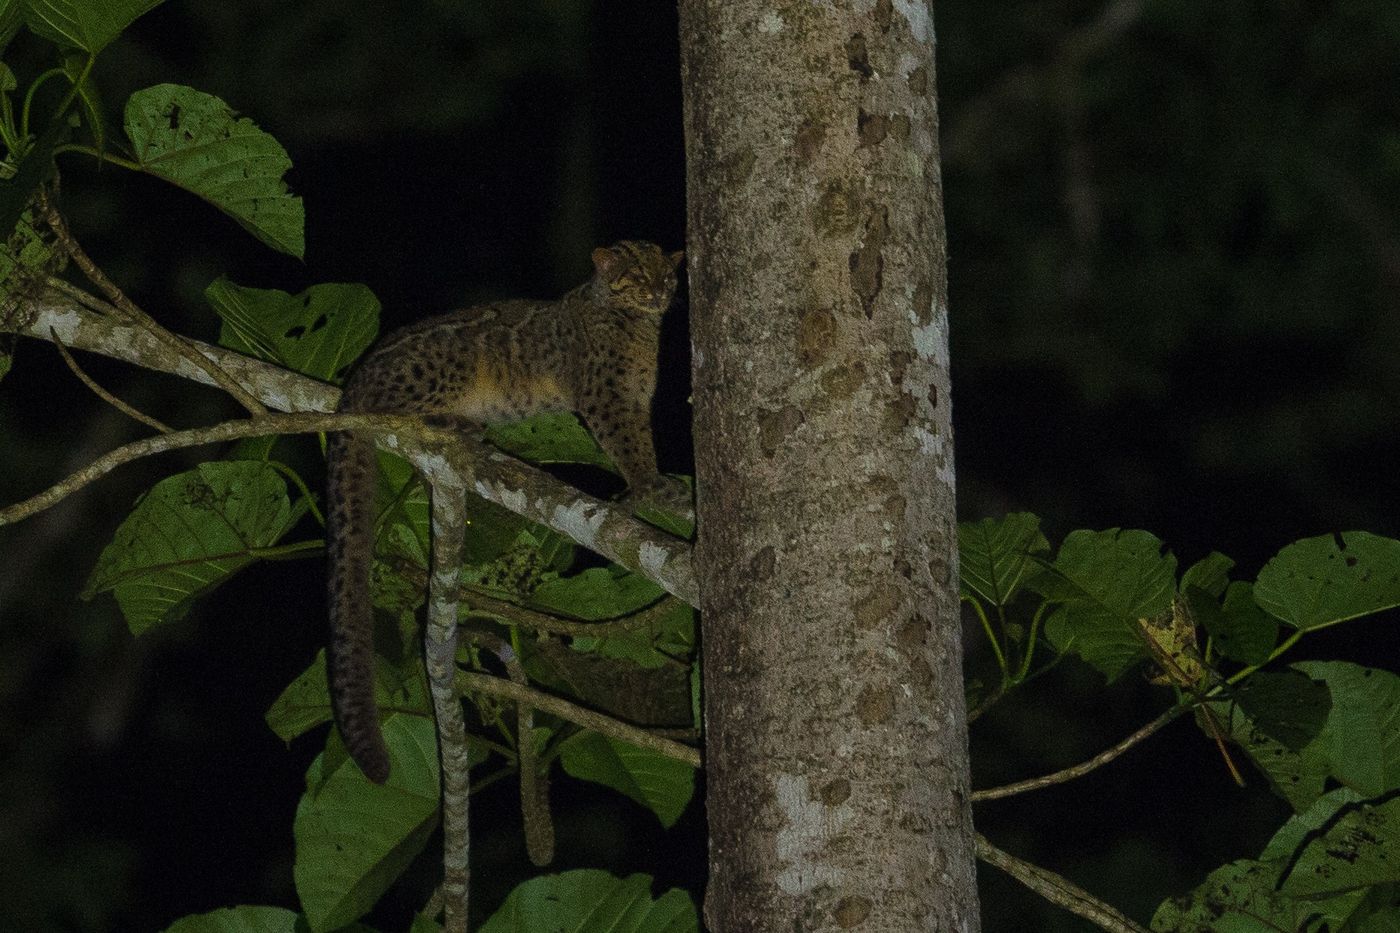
(836, 743)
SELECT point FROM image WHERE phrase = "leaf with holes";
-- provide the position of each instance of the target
(354, 838)
(188, 534)
(318, 332)
(1317, 582)
(591, 901)
(994, 555)
(196, 141)
(84, 24)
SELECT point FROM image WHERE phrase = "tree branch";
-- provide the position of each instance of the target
(606, 528)
(128, 410)
(589, 719)
(134, 315)
(449, 519)
(1057, 890)
(1079, 770)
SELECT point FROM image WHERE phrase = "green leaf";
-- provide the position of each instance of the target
(1362, 736)
(1386, 920)
(306, 703)
(194, 140)
(492, 530)
(994, 555)
(1298, 777)
(554, 438)
(318, 332)
(84, 24)
(670, 637)
(239, 920)
(27, 252)
(11, 16)
(1210, 573)
(354, 838)
(1236, 898)
(1106, 580)
(1240, 629)
(75, 66)
(1289, 707)
(597, 593)
(1356, 851)
(1321, 581)
(1285, 843)
(661, 784)
(36, 168)
(188, 534)
(592, 901)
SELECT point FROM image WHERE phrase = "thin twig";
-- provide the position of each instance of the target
(195, 437)
(1079, 770)
(534, 786)
(134, 315)
(1058, 890)
(102, 393)
(589, 719)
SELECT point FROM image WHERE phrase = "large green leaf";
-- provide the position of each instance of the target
(306, 702)
(597, 593)
(318, 332)
(553, 438)
(1296, 776)
(238, 920)
(1287, 706)
(354, 838)
(196, 141)
(994, 555)
(1317, 873)
(11, 18)
(1321, 581)
(84, 24)
(1241, 631)
(1210, 573)
(662, 784)
(1106, 581)
(1362, 735)
(592, 901)
(188, 534)
(1356, 851)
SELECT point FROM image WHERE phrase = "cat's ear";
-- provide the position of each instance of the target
(676, 258)
(606, 261)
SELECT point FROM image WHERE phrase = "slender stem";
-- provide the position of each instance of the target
(1030, 643)
(300, 484)
(1287, 643)
(102, 393)
(196, 437)
(1058, 890)
(1079, 770)
(76, 88)
(991, 636)
(99, 154)
(294, 551)
(29, 99)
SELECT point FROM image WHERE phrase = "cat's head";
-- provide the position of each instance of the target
(635, 275)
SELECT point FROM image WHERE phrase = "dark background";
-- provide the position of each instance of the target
(1174, 270)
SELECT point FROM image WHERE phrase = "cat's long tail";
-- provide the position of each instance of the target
(349, 550)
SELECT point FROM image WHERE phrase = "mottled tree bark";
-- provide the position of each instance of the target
(836, 743)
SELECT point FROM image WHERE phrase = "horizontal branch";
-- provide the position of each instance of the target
(607, 528)
(589, 719)
(1058, 890)
(1083, 768)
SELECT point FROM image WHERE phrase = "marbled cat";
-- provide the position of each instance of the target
(593, 352)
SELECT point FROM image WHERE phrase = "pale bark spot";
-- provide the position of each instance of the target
(808, 826)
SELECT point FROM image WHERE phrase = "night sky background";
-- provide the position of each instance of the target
(1175, 293)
